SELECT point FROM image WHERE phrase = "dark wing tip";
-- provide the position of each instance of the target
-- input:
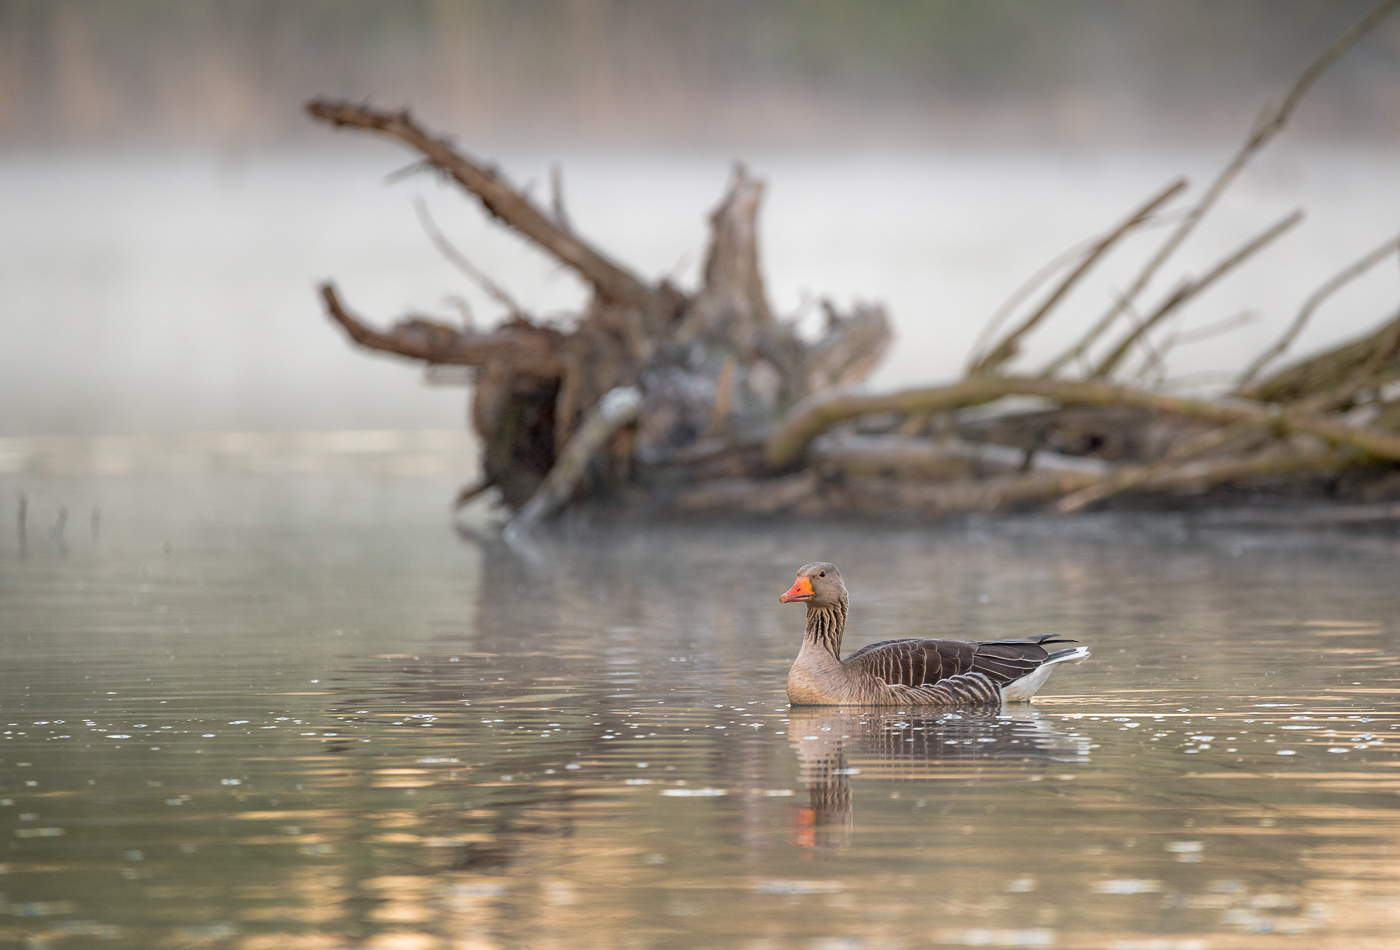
(1040, 639)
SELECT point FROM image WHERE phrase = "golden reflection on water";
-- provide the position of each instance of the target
(834, 745)
(272, 723)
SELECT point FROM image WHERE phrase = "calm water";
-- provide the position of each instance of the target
(300, 711)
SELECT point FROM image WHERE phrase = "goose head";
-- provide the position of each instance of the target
(818, 584)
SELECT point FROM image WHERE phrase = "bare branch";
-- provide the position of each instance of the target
(1189, 289)
(805, 493)
(790, 439)
(1158, 358)
(1343, 277)
(1320, 65)
(1019, 296)
(531, 350)
(1219, 328)
(610, 280)
(1125, 479)
(408, 171)
(1010, 345)
(459, 260)
(1371, 372)
(1153, 355)
(1271, 122)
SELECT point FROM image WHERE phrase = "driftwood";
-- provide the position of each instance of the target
(707, 400)
(790, 440)
(617, 409)
(708, 364)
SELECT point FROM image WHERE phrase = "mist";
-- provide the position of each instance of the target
(168, 208)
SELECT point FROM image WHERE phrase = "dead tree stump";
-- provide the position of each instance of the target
(715, 369)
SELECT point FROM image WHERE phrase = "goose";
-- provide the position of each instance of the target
(913, 671)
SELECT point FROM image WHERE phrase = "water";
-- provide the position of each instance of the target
(299, 710)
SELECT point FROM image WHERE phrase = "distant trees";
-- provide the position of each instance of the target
(228, 71)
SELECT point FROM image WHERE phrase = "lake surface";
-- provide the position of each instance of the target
(300, 710)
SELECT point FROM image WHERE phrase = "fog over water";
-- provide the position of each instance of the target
(145, 290)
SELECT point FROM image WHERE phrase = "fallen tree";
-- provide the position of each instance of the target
(707, 400)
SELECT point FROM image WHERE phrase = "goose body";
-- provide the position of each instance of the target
(914, 671)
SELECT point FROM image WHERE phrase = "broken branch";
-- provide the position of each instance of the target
(531, 350)
(610, 281)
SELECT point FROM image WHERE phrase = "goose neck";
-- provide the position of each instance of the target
(825, 626)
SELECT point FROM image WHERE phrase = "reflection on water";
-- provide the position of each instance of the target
(913, 745)
(296, 711)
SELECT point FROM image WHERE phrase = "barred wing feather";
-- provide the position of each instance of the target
(920, 664)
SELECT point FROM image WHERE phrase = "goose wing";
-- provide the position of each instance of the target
(918, 662)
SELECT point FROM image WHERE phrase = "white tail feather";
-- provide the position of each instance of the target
(1021, 690)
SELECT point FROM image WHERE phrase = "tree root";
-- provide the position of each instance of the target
(530, 350)
(710, 400)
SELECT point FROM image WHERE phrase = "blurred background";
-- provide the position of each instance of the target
(167, 207)
(732, 72)
(227, 520)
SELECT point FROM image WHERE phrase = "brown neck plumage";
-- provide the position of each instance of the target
(825, 625)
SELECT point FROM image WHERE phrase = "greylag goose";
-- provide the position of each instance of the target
(907, 672)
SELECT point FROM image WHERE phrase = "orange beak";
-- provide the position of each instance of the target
(801, 590)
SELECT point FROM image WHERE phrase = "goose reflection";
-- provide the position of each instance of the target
(918, 747)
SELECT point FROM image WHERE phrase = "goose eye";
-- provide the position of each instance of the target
(822, 574)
